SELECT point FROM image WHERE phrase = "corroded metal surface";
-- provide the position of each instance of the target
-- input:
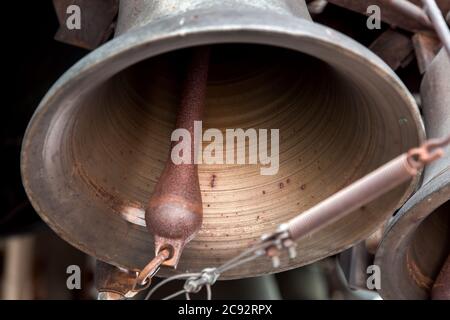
(441, 287)
(98, 142)
(113, 282)
(417, 241)
(175, 211)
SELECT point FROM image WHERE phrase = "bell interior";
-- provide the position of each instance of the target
(335, 126)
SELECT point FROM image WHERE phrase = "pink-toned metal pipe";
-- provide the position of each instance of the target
(353, 197)
(438, 22)
(411, 10)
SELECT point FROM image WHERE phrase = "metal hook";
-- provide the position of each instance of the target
(143, 278)
(428, 152)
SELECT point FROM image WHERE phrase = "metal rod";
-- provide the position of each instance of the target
(353, 197)
(152, 267)
(411, 10)
(439, 23)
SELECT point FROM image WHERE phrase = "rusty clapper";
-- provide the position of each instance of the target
(175, 211)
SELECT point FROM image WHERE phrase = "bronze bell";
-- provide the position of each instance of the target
(99, 140)
(417, 242)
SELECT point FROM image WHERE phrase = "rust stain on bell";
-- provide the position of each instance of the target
(174, 213)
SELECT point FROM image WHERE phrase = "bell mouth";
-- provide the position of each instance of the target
(100, 139)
